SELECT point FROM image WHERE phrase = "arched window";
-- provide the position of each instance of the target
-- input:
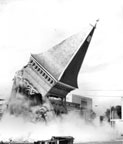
(51, 81)
(48, 79)
(41, 72)
(33, 64)
(38, 69)
(31, 61)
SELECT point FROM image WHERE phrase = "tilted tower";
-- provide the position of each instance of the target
(54, 73)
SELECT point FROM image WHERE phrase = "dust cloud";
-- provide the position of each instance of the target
(20, 123)
(17, 128)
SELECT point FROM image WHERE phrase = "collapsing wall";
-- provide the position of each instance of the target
(51, 75)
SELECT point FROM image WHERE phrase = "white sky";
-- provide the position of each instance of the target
(33, 26)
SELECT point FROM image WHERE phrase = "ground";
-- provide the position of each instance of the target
(111, 142)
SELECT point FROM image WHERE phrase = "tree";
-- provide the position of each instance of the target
(118, 110)
(107, 114)
(113, 113)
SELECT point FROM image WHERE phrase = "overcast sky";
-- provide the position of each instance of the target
(33, 26)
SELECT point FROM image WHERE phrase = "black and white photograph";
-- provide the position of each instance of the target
(61, 72)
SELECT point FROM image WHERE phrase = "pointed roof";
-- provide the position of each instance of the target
(64, 60)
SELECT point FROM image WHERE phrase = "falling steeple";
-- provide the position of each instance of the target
(64, 60)
(55, 71)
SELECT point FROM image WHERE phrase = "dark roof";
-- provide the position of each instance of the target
(63, 61)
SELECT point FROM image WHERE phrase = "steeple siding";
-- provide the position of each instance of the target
(56, 59)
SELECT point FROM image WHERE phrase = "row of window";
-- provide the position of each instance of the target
(39, 70)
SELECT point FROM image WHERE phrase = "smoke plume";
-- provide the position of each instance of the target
(20, 122)
(19, 129)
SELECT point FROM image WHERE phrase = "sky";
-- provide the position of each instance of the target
(34, 26)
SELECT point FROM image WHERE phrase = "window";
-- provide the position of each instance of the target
(84, 104)
(46, 76)
(89, 38)
(43, 74)
(31, 61)
(36, 67)
(51, 81)
(33, 64)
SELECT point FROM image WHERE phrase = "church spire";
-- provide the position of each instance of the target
(70, 74)
(64, 60)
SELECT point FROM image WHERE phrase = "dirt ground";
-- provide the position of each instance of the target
(111, 142)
